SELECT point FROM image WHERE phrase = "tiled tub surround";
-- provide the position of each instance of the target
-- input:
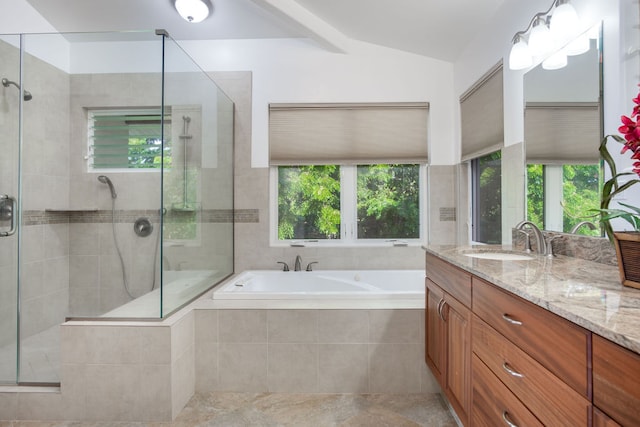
(584, 292)
(311, 351)
(147, 371)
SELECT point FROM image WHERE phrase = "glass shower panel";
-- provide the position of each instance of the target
(197, 249)
(9, 187)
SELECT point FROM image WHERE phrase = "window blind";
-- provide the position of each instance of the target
(127, 139)
(482, 116)
(348, 133)
(562, 133)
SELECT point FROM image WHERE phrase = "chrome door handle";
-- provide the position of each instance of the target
(10, 213)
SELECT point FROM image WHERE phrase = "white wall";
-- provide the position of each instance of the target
(294, 70)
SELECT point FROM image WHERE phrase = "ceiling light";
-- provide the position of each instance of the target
(193, 11)
(520, 56)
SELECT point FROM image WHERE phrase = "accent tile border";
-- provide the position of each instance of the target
(46, 217)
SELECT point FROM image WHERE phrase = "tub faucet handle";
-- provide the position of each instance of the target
(310, 264)
(285, 267)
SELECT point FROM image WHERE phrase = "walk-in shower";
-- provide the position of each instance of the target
(96, 176)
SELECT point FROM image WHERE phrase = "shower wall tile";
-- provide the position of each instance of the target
(56, 240)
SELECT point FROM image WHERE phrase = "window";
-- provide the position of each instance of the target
(486, 177)
(128, 139)
(561, 196)
(347, 203)
(348, 173)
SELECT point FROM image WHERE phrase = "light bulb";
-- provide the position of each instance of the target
(565, 23)
(556, 61)
(193, 11)
(540, 41)
(520, 56)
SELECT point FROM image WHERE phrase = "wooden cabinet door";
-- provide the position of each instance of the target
(600, 419)
(458, 357)
(616, 372)
(434, 327)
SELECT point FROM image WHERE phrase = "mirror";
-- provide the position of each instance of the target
(562, 132)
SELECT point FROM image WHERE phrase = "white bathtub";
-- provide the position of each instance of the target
(331, 284)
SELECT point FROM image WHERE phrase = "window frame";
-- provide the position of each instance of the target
(348, 213)
(118, 111)
(474, 185)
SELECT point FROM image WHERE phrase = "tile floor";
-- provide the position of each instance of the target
(279, 409)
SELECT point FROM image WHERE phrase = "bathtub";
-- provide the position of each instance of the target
(327, 284)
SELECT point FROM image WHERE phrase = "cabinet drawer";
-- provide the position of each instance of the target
(493, 403)
(454, 281)
(616, 372)
(559, 345)
(552, 401)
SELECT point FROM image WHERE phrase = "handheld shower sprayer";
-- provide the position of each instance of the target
(6, 82)
(105, 180)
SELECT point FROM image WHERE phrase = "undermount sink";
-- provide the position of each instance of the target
(498, 255)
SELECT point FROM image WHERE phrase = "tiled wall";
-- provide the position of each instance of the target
(315, 351)
(45, 182)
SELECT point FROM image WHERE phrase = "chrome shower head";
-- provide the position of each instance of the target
(6, 82)
(105, 180)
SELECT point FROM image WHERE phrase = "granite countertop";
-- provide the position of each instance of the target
(584, 292)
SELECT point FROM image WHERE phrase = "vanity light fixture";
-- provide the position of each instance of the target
(193, 11)
(548, 32)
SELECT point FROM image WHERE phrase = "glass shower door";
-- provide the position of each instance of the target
(9, 188)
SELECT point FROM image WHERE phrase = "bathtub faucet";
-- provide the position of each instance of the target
(297, 266)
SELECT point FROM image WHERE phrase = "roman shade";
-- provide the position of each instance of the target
(482, 116)
(562, 133)
(348, 133)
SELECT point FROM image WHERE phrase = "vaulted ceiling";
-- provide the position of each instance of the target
(435, 28)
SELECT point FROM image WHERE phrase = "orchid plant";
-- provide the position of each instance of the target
(630, 129)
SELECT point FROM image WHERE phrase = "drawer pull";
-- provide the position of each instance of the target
(510, 371)
(511, 320)
(507, 420)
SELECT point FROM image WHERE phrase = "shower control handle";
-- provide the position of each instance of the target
(8, 209)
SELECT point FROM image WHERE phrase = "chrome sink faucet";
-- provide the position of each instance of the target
(540, 243)
(298, 264)
(589, 225)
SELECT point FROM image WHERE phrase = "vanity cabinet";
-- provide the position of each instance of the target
(616, 384)
(525, 365)
(448, 332)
